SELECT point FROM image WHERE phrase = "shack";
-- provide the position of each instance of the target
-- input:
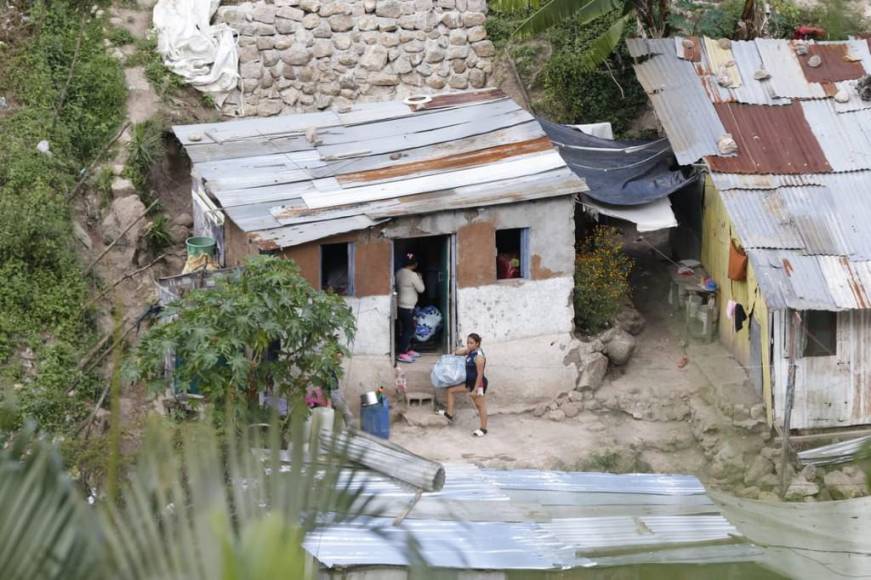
(783, 129)
(465, 181)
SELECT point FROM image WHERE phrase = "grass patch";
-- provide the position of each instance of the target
(119, 36)
(614, 461)
(164, 81)
(144, 152)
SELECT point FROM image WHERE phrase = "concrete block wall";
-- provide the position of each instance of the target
(307, 55)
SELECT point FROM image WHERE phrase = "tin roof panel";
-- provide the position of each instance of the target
(770, 140)
(282, 172)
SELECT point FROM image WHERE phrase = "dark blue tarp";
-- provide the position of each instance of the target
(619, 172)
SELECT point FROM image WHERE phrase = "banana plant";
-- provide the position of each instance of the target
(198, 506)
(650, 15)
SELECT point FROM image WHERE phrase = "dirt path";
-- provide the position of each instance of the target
(648, 416)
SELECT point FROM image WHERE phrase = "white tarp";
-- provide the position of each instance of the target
(205, 56)
(602, 129)
(648, 217)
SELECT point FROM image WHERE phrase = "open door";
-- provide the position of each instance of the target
(435, 265)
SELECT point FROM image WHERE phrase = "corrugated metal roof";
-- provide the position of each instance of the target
(770, 140)
(845, 138)
(793, 280)
(797, 189)
(273, 176)
(681, 103)
(751, 91)
(834, 64)
(787, 77)
(645, 518)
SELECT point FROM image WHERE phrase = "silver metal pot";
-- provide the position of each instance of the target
(369, 398)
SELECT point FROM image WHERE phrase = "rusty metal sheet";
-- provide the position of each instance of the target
(453, 99)
(451, 162)
(727, 181)
(834, 66)
(691, 53)
(770, 140)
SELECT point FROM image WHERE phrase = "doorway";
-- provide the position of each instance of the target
(435, 265)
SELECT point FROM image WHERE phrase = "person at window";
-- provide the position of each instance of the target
(476, 383)
(409, 285)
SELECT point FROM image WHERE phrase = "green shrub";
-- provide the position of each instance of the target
(120, 36)
(601, 280)
(157, 235)
(694, 18)
(561, 87)
(145, 150)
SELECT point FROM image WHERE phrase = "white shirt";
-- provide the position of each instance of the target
(408, 284)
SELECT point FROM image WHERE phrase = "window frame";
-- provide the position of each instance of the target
(525, 273)
(352, 287)
(809, 340)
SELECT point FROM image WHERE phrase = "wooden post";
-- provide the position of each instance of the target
(794, 328)
(385, 457)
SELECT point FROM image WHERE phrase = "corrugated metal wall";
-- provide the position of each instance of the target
(830, 391)
(717, 233)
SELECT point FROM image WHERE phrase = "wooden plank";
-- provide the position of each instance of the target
(510, 169)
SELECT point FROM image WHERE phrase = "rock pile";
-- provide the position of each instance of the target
(304, 55)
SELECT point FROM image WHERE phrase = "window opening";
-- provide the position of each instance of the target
(820, 333)
(337, 268)
(512, 253)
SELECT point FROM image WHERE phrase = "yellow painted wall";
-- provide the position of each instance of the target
(717, 233)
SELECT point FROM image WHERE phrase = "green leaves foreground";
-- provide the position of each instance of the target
(196, 507)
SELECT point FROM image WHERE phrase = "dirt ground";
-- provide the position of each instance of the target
(640, 420)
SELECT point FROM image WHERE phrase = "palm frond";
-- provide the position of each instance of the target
(47, 530)
(557, 11)
(602, 47)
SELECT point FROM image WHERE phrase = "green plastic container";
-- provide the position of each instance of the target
(199, 245)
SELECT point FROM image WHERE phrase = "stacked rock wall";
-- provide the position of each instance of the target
(304, 55)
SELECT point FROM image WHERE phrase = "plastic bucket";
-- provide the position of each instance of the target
(375, 419)
(199, 245)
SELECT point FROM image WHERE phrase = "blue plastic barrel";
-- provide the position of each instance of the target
(375, 419)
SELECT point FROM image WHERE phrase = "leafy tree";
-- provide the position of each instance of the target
(225, 337)
(651, 15)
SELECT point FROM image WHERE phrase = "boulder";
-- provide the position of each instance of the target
(631, 321)
(123, 212)
(760, 467)
(570, 410)
(556, 415)
(593, 372)
(846, 483)
(620, 348)
(388, 9)
(800, 489)
(809, 473)
(540, 410)
(375, 58)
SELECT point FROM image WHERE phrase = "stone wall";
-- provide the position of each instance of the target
(305, 55)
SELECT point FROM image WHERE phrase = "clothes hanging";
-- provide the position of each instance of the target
(740, 317)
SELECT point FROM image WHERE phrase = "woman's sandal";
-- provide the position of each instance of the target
(479, 432)
(444, 414)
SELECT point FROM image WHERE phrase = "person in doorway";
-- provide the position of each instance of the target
(476, 383)
(409, 285)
